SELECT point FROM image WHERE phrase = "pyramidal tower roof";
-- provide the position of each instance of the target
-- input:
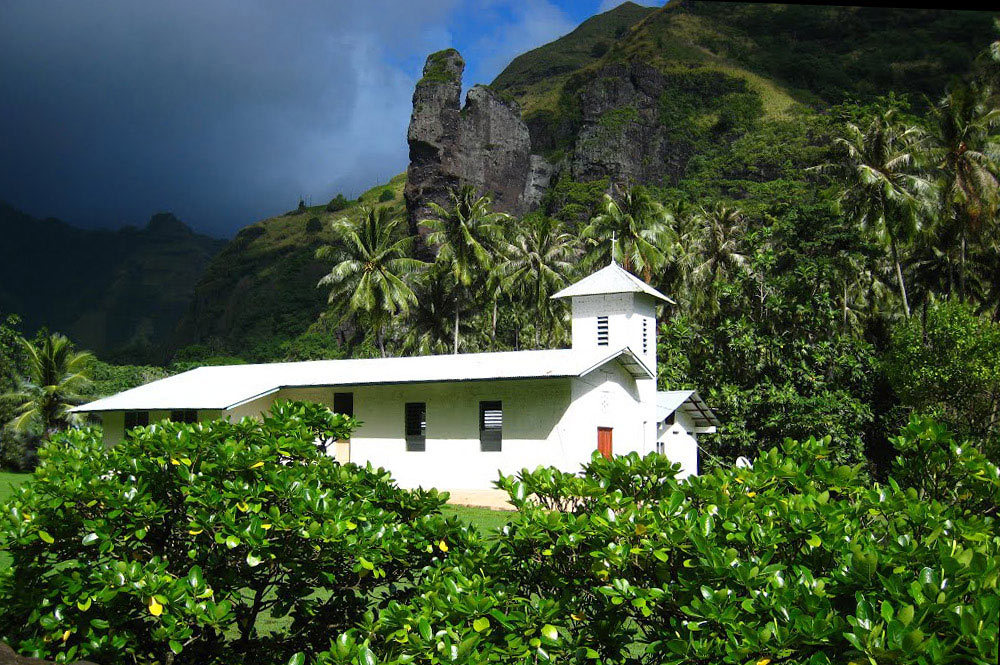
(610, 279)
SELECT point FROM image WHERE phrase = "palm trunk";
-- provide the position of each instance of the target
(494, 328)
(456, 326)
(845, 304)
(961, 269)
(899, 277)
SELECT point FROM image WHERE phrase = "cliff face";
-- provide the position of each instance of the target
(484, 144)
(621, 135)
(618, 134)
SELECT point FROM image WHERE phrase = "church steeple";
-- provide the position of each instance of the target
(613, 309)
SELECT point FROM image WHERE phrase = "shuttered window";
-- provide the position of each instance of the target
(343, 403)
(136, 419)
(490, 426)
(415, 426)
(184, 416)
(645, 336)
(602, 331)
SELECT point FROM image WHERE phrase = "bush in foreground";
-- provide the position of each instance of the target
(795, 560)
(208, 543)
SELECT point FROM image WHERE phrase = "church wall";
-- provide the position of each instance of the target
(680, 443)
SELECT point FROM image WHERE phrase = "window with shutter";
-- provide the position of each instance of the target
(490, 426)
(415, 426)
(602, 331)
(645, 336)
(136, 419)
(184, 416)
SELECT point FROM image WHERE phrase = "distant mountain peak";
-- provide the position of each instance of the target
(163, 223)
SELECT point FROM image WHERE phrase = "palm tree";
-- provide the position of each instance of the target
(963, 148)
(640, 228)
(540, 261)
(882, 189)
(717, 251)
(467, 237)
(54, 376)
(429, 325)
(371, 268)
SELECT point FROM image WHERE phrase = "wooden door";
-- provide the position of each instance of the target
(604, 441)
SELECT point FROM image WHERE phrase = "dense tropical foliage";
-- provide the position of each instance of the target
(220, 542)
(185, 542)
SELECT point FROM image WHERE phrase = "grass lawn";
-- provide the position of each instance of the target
(9, 481)
(485, 519)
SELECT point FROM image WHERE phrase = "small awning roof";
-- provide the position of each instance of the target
(688, 401)
(610, 279)
(228, 386)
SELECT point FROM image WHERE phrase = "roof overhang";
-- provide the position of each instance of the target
(692, 405)
(632, 363)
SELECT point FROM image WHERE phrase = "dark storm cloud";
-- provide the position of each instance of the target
(221, 111)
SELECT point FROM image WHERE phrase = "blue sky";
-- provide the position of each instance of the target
(228, 111)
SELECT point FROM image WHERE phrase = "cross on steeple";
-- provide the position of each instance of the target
(614, 246)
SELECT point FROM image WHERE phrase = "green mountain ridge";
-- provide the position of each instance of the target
(118, 293)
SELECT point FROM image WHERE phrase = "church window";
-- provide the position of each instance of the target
(602, 331)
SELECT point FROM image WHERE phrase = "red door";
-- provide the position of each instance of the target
(604, 441)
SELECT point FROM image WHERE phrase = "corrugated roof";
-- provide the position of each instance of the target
(227, 386)
(610, 279)
(688, 401)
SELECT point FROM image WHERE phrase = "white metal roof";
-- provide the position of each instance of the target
(610, 279)
(670, 401)
(224, 387)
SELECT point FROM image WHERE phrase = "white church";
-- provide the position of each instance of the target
(456, 422)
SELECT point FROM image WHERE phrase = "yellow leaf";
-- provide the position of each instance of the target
(751, 494)
(265, 526)
(174, 462)
(443, 546)
(576, 617)
(242, 507)
(65, 636)
(195, 532)
(257, 465)
(546, 552)
(763, 661)
(155, 608)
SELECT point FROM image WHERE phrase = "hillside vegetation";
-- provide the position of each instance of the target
(119, 293)
(815, 55)
(260, 291)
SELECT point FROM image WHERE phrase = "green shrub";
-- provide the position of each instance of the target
(179, 544)
(337, 203)
(386, 195)
(796, 559)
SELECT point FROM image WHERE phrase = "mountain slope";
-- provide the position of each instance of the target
(118, 293)
(261, 288)
(785, 53)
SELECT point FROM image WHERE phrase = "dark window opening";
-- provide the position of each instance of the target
(343, 403)
(490, 426)
(135, 419)
(184, 416)
(416, 426)
(602, 331)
